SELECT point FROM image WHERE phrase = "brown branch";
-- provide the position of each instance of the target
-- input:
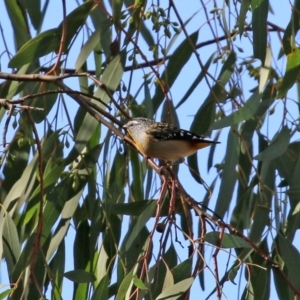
(159, 61)
(194, 204)
(62, 39)
(37, 77)
(93, 109)
(10, 108)
(62, 92)
(10, 105)
(37, 239)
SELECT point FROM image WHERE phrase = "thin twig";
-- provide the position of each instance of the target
(37, 239)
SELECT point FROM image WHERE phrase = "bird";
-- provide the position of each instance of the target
(164, 141)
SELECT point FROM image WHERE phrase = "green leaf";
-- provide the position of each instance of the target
(183, 270)
(4, 294)
(62, 229)
(91, 44)
(197, 82)
(49, 40)
(288, 40)
(23, 260)
(287, 162)
(291, 258)
(282, 289)
(259, 24)
(124, 286)
(136, 186)
(82, 253)
(57, 198)
(117, 6)
(85, 127)
(260, 274)
(228, 175)
(33, 8)
(175, 291)
(168, 280)
(204, 117)
(194, 168)
(217, 92)
(138, 246)
(146, 33)
(16, 87)
(114, 71)
(244, 113)
(291, 72)
(101, 291)
(19, 22)
(141, 221)
(242, 16)
(25, 182)
(112, 76)
(147, 103)
(265, 70)
(176, 62)
(228, 240)
(232, 273)
(50, 178)
(46, 102)
(263, 202)
(75, 20)
(117, 179)
(277, 147)
(99, 19)
(80, 276)
(41, 45)
(86, 131)
(139, 283)
(11, 243)
(178, 32)
(133, 208)
(57, 266)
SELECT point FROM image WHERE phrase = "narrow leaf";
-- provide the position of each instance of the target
(196, 81)
(228, 175)
(291, 258)
(277, 146)
(101, 291)
(133, 208)
(18, 21)
(228, 240)
(244, 113)
(259, 24)
(124, 286)
(139, 283)
(11, 241)
(80, 276)
(49, 40)
(140, 223)
(291, 72)
(176, 291)
(33, 8)
(111, 76)
(91, 44)
(265, 70)
(242, 16)
(177, 61)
